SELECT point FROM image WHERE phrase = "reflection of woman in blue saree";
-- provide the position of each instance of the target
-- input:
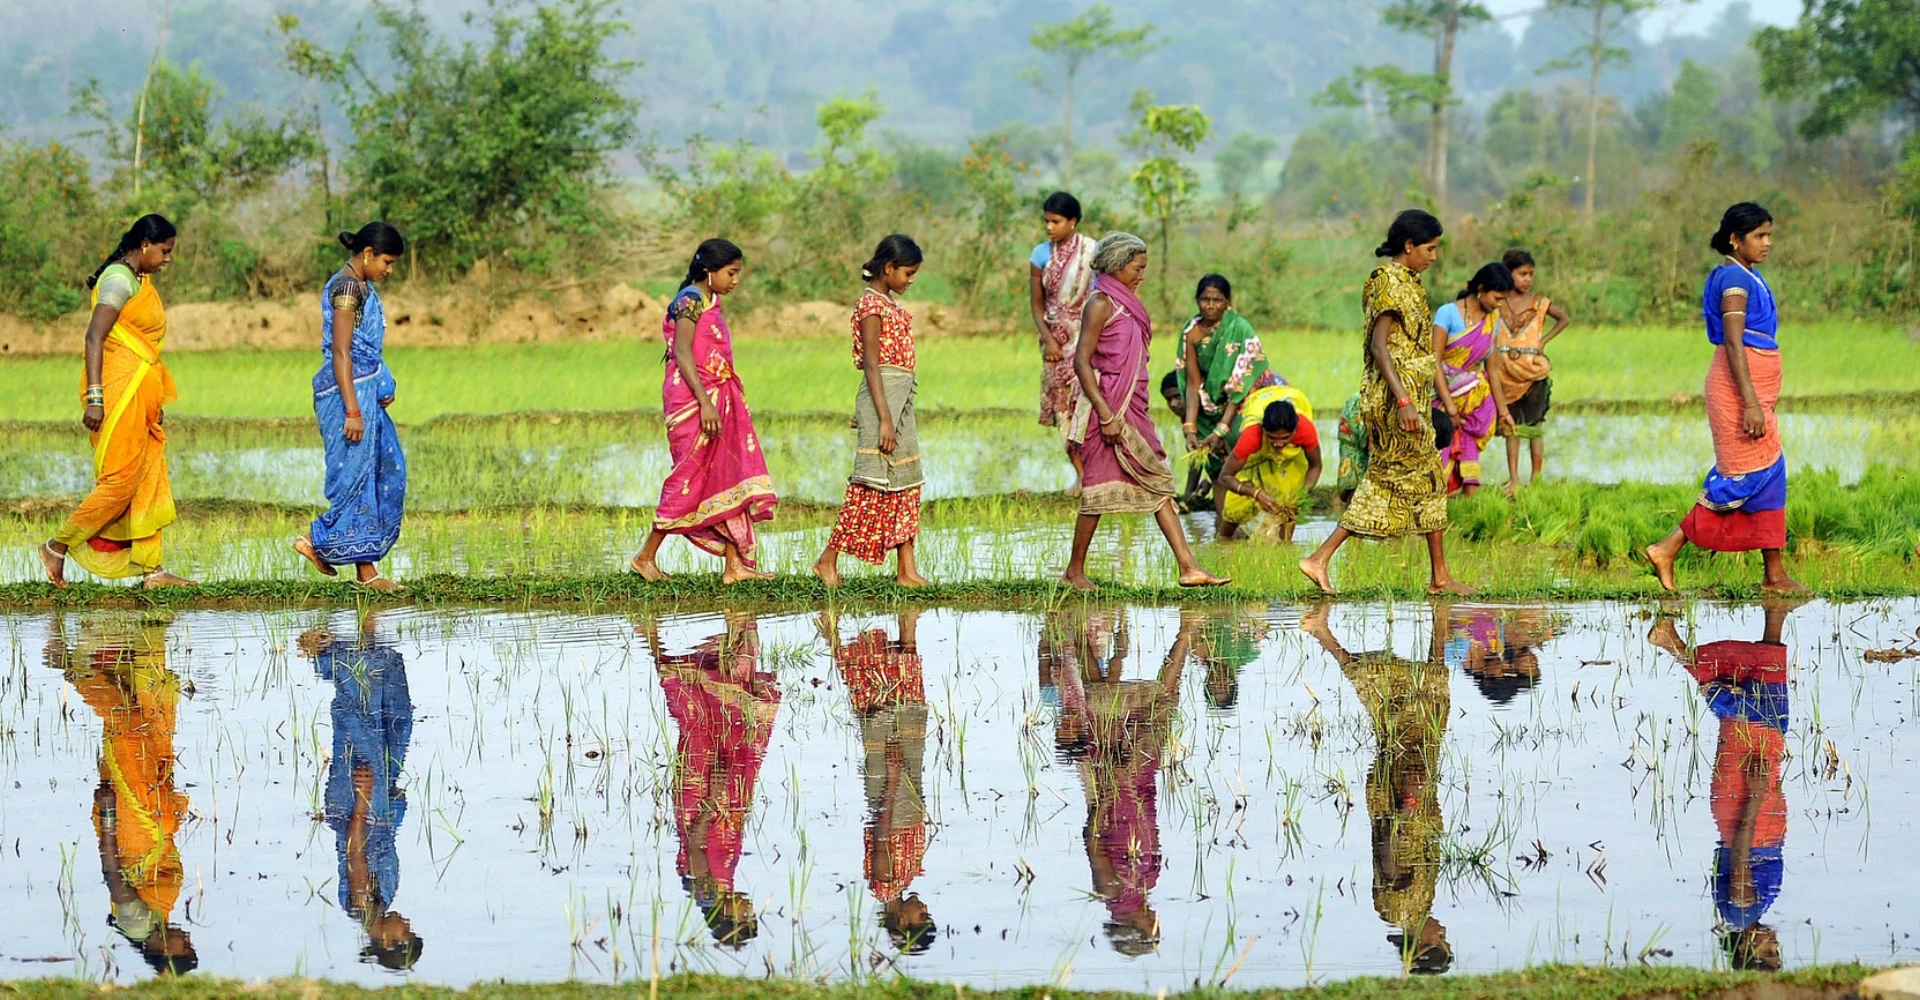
(366, 471)
(1745, 685)
(372, 724)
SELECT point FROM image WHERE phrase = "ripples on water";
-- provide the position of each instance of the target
(1118, 797)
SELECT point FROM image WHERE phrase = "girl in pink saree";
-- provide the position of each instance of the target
(1125, 466)
(1464, 333)
(719, 484)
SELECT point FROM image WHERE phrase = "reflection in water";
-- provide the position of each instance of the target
(886, 686)
(1226, 644)
(1408, 704)
(1745, 684)
(372, 724)
(1497, 647)
(1118, 729)
(724, 708)
(119, 667)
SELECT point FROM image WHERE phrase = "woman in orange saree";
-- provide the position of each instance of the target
(115, 532)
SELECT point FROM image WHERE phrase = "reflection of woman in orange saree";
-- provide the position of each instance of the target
(119, 668)
(724, 707)
(115, 532)
(886, 686)
(1128, 724)
(1407, 701)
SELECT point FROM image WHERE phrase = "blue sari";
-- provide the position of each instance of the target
(366, 480)
(372, 725)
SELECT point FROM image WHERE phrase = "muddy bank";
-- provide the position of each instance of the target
(452, 317)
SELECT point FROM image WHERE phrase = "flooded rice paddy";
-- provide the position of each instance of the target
(620, 461)
(1129, 797)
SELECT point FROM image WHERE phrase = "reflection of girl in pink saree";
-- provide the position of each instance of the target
(724, 708)
(1464, 332)
(719, 484)
(1128, 723)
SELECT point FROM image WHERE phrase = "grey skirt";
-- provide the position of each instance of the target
(900, 470)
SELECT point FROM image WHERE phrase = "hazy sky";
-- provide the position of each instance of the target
(1684, 18)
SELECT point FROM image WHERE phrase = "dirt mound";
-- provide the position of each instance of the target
(458, 315)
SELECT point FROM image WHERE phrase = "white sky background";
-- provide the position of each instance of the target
(1680, 18)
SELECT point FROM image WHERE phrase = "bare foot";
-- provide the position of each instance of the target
(161, 578)
(1512, 492)
(1197, 577)
(742, 573)
(1317, 572)
(1665, 634)
(1450, 586)
(647, 569)
(55, 563)
(304, 546)
(1078, 581)
(379, 583)
(1785, 585)
(1662, 567)
(828, 572)
(913, 581)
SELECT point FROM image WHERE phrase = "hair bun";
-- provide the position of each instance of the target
(347, 240)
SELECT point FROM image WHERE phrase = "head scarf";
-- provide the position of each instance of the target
(1115, 251)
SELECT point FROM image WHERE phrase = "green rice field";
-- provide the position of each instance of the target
(797, 374)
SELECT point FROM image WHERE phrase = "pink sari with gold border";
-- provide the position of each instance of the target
(718, 486)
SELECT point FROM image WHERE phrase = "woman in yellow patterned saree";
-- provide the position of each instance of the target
(115, 532)
(1405, 488)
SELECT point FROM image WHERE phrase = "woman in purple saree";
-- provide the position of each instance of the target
(1125, 465)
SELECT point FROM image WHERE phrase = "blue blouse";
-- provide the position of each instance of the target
(369, 334)
(1763, 320)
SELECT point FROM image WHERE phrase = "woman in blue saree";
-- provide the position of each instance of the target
(366, 471)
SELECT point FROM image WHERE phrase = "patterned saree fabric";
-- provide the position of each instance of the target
(1404, 488)
(1129, 475)
(1067, 281)
(718, 487)
(1743, 500)
(366, 479)
(882, 506)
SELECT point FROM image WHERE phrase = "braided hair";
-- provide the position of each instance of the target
(146, 229)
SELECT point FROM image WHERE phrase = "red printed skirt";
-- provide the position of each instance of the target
(874, 522)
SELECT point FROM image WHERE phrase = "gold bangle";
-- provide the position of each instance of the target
(1190, 428)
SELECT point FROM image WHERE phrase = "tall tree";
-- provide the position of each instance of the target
(1163, 183)
(1441, 21)
(1857, 58)
(1601, 21)
(1076, 44)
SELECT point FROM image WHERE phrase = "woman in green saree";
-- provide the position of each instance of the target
(1224, 362)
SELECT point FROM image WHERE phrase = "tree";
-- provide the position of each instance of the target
(1164, 185)
(1601, 20)
(497, 144)
(1077, 44)
(1857, 58)
(1441, 21)
(1242, 160)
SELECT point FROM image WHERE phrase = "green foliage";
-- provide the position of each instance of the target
(994, 221)
(1163, 185)
(1076, 45)
(1242, 161)
(498, 146)
(46, 216)
(1855, 58)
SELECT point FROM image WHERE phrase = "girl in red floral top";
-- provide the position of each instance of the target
(882, 509)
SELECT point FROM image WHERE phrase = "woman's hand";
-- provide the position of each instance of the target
(1110, 428)
(355, 428)
(1216, 444)
(94, 417)
(709, 418)
(1505, 422)
(887, 440)
(1409, 417)
(1051, 352)
(386, 402)
(1193, 441)
(1754, 420)
(1267, 501)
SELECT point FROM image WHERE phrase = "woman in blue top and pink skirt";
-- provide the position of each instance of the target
(1743, 504)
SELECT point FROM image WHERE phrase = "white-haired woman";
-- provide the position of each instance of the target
(1125, 465)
